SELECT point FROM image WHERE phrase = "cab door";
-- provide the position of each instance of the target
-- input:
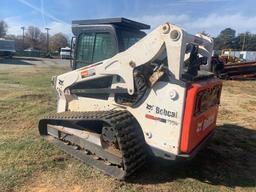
(92, 47)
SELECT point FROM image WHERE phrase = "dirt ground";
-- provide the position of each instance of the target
(28, 163)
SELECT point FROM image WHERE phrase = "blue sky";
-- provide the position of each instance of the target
(193, 15)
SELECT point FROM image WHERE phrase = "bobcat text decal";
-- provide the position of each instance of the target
(163, 112)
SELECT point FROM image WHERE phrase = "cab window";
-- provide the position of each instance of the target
(93, 47)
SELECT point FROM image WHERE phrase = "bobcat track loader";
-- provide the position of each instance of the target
(130, 95)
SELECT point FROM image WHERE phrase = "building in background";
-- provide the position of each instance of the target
(242, 55)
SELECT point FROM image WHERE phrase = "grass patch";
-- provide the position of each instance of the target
(21, 157)
(37, 81)
(84, 172)
(22, 152)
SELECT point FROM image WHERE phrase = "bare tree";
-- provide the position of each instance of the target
(3, 28)
(19, 43)
(58, 41)
(33, 37)
(42, 42)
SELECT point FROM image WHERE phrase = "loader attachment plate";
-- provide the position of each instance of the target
(87, 146)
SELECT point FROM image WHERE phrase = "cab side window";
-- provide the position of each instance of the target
(93, 47)
(104, 47)
(84, 49)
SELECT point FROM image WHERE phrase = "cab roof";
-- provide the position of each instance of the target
(120, 21)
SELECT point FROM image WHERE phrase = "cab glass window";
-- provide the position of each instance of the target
(94, 47)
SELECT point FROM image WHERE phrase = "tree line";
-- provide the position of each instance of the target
(34, 39)
(227, 39)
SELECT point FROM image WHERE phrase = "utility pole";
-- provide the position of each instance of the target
(243, 42)
(23, 29)
(47, 38)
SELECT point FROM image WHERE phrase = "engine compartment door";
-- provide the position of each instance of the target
(201, 109)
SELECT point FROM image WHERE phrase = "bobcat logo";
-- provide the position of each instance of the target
(161, 111)
(150, 107)
(61, 82)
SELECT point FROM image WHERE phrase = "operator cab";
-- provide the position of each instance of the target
(100, 39)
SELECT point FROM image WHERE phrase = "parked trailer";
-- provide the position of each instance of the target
(7, 48)
(245, 70)
(227, 70)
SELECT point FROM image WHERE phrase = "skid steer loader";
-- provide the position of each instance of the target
(130, 95)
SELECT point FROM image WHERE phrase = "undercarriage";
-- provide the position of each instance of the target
(114, 144)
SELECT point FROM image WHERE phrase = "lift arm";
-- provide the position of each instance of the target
(167, 37)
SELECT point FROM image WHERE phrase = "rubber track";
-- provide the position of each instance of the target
(130, 139)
